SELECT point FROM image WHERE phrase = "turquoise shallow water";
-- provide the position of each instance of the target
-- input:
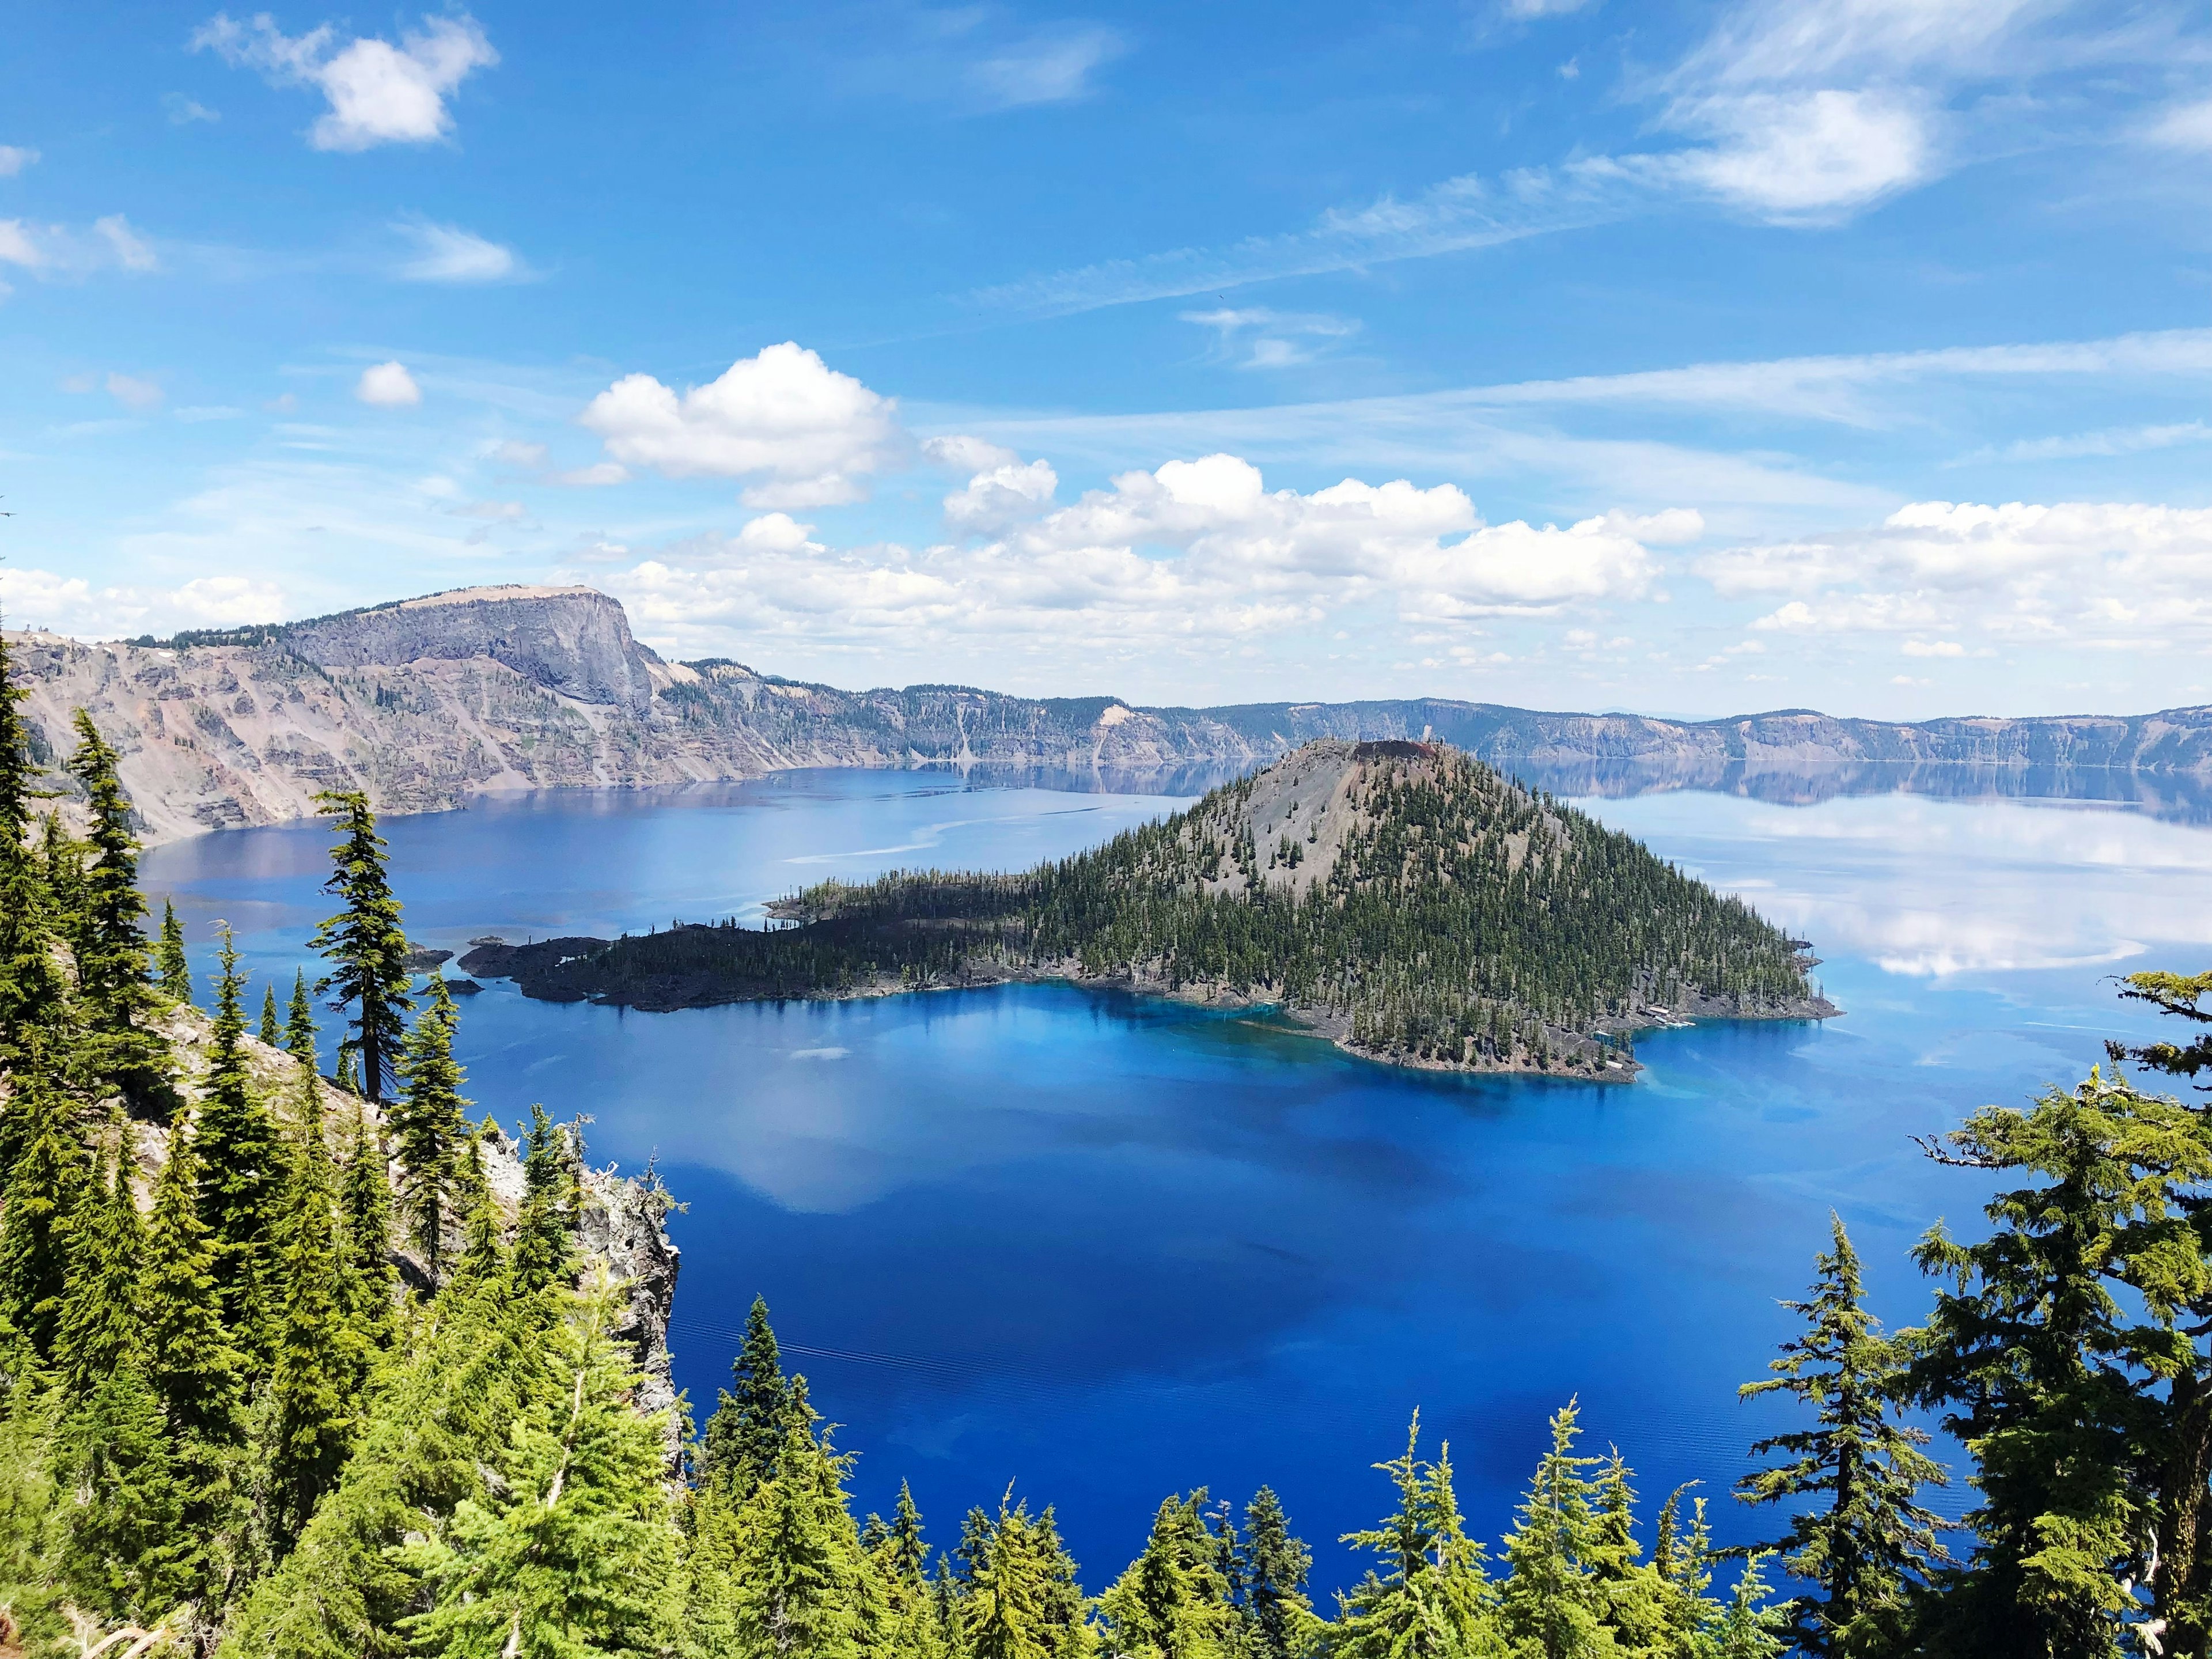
(1107, 1247)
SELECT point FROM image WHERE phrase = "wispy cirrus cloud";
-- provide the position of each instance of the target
(447, 253)
(1457, 215)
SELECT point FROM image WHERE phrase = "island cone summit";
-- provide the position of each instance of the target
(1401, 898)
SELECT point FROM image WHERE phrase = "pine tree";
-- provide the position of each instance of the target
(320, 1359)
(482, 1258)
(1173, 1602)
(476, 1366)
(899, 1561)
(349, 1077)
(36, 1000)
(300, 1023)
(44, 1192)
(241, 1162)
(15, 766)
(428, 1123)
(364, 941)
(573, 1554)
(104, 937)
(128, 1553)
(2031, 1348)
(1275, 1566)
(191, 1367)
(271, 1032)
(1552, 1602)
(1007, 1609)
(365, 1211)
(190, 1362)
(1433, 1598)
(544, 1232)
(1868, 1542)
(1068, 1631)
(174, 972)
(98, 1330)
(752, 1418)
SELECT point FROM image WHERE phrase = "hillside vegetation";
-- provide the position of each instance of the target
(1401, 898)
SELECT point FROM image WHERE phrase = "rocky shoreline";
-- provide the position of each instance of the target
(565, 969)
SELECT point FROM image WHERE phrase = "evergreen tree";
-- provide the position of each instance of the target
(15, 764)
(365, 945)
(2181, 1582)
(478, 1365)
(544, 1233)
(128, 1552)
(189, 1364)
(36, 1000)
(2031, 1348)
(365, 1211)
(189, 1361)
(174, 972)
(1068, 1632)
(1174, 1602)
(482, 1257)
(1748, 1627)
(752, 1418)
(573, 1554)
(104, 934)
(349, 1070)
(241, 1162)
(1275, 1566)
(320, 1359)
(899, 1560)
(98, 1330)
(271, 1032)
(798, 1583)
(428, 1123)
(44, 1192)
(300, 1023)
(1867, 1541)
(1007, 1609)
(1433, 1598)
(1552, 1602)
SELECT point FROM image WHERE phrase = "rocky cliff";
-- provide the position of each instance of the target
(426, 702)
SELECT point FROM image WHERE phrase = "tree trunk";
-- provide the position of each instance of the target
(2182, 1581)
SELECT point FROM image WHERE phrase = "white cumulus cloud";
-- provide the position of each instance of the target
(69, 604)
(388, 385)
(807, 434)
(2096, 573)
(377, 93)
(14, 158)
(1192, 550)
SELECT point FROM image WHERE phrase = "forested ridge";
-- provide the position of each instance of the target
(280, 1374)
(1403, 897)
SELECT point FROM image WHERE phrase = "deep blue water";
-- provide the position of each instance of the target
(1107, 1249)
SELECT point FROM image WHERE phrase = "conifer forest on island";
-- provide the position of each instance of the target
(297, 1360)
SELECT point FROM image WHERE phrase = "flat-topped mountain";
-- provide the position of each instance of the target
(1402, 898)
(427, 702)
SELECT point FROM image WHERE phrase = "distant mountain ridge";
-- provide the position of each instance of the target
(426, 701)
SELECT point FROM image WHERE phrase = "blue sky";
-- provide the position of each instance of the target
(1694, 358)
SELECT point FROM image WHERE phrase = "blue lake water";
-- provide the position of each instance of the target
(1106, 1247)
